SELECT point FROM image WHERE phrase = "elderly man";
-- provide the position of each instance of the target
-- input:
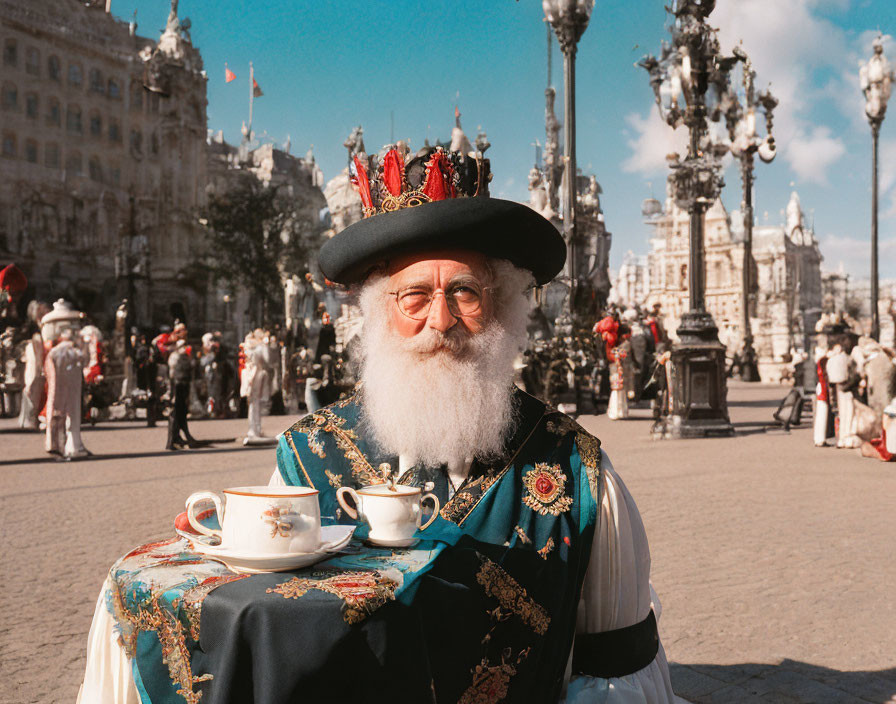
(549, 534)
(532, 583)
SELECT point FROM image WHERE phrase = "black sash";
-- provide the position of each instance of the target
(616, 653)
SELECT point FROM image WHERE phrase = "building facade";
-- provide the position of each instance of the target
(298, 182)
(103, 158)
(786, 299)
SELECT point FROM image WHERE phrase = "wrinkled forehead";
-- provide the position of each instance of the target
(438, 265)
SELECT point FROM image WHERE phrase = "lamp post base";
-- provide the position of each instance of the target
(699, 384)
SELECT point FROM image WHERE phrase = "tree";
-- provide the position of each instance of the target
(257, 234)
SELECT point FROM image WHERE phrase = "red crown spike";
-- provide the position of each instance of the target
(359, 178)
(393, 172)
(438, 183)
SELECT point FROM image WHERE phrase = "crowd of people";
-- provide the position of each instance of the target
(855, 399)
(621, 361)
(59, 370)
(625, 361)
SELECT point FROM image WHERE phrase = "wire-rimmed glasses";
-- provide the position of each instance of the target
(463, 299)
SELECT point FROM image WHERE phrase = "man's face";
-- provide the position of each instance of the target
(453, 273)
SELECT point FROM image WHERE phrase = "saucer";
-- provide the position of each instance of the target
(333, 539)
(393, 542)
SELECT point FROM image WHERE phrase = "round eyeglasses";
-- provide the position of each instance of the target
(462, 300)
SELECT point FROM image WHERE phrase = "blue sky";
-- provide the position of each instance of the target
(328, 66)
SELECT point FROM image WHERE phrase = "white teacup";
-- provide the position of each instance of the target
(262, 520)
(392, 514)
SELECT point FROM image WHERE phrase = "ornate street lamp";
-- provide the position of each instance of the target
(876, 78)
(691, 85)
(569, 18)
(745, 142)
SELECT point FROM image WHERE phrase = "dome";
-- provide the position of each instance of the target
(651, 207)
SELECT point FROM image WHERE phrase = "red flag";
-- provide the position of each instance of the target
(256, 89)
(228, 75)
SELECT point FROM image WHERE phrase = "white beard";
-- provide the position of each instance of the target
(442, 398)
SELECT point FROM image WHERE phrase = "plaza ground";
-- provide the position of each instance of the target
(774, 560)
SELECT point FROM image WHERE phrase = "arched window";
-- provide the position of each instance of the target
(31, 151)
(9, 145)
(154, 143)
(32, 61)
(73, 163)
(10, 98)
(114, 130)
(31, 106)
(75, 74)
(51, 155)
(54, 113)
(115, 174)
(97, 84)
(96, 124)
(114, 89)
(10, 53)
(73, 119)
(54, 70)
(95, 169)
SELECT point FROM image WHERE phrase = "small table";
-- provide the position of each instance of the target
(194, 629)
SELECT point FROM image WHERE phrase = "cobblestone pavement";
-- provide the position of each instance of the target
(774, 560)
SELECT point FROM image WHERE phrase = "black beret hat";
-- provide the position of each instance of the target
(498, 228)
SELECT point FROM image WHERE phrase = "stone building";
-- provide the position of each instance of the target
(298, 180)
(786, 300)
(632, 282)
(103, 157)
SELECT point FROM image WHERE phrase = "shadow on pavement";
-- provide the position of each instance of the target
(789, 681)
(137, 455)
(759, 403)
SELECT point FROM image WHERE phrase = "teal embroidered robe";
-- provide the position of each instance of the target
(498, 603)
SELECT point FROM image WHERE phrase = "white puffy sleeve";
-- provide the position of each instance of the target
(617, 593)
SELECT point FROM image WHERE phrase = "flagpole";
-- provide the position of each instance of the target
(251, 97)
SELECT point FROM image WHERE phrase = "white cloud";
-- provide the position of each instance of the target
(653, 140)
(811, 153)
(854, 254)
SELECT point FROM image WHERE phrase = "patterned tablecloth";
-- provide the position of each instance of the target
(195, 630)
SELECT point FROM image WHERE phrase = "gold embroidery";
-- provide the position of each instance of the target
(458, 506)
(465, 500)
(334, 479)
(362, 471)
(191, 601)
(325, 421)
(362, 593)
(545, 551)
(512, 596)
(490, 683)
(295, 451)
(523, 537)
(169, 629)
(588, 447)
(544, 485)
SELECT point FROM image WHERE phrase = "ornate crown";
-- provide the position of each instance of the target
(394, 179)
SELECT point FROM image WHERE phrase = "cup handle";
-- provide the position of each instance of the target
(219, 507)
(340, 497)
(435, 510)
